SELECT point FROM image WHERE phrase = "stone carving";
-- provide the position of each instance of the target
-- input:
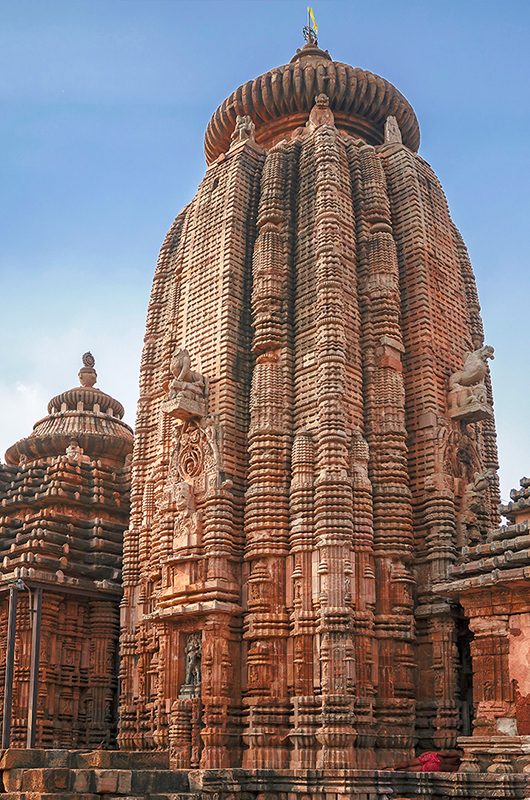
(317, 302)
(468, 397)
(321, 113)
(392, 131)
(188, 390)
(74, 453)
(470, 518)
(192, 665)
(87, 373)
(187, 525)
(244, 130)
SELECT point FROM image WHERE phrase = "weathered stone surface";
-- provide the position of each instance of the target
(314, 583)
(64, 503)
(295, 529)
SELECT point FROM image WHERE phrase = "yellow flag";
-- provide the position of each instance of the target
(312, 18)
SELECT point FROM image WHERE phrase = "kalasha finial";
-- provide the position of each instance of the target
(310, 30)
(87, 374)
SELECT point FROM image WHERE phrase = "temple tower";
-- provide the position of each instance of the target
(64, 504)
(314, 445)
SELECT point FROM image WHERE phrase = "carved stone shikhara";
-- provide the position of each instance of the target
(64, 496)
(312, 569)
(336, 485)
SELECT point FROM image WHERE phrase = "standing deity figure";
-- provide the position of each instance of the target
(193, 660)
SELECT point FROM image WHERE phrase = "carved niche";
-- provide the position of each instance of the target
(192, 666)
(194, 474)
(468, 396)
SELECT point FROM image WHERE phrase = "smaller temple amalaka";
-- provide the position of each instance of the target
(317, 601)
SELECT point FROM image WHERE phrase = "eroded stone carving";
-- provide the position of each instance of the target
(244, 130)
(392, 131)
(321, 113)
(192, 665)
(468, 396)
(188, 390)
(470, 518)
(187, 525)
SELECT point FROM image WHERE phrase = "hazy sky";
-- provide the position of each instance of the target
(104, 104)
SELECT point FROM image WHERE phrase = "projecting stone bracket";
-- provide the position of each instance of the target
(184, 408)
(469, 404)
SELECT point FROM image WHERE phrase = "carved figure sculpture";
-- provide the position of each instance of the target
(187, 519)
(321, 113)
(468, 522)
(186, 382)
(74, 453)
(392, 131)
(475, 368)
(468, 396)
(193, 660)
(188, 391)
(244, 130)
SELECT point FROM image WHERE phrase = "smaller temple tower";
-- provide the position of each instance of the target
(64, 504)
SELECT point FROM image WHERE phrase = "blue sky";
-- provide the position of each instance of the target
(104, 104)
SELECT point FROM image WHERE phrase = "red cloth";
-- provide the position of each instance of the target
(430, 762)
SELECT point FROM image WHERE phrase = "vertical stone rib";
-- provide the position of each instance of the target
(303, 615)
(267, 497)
(384, 408)
(436, 332)
(333, 484)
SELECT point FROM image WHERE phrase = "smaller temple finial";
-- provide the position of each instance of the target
(310, 30)
(87, 374)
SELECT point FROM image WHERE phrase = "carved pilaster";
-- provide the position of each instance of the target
(267, 497)
(333, 483)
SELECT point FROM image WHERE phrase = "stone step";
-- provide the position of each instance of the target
(120, 782)
(83, 796)
(80, 759)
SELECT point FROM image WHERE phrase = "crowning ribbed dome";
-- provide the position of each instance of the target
(280, 100)
(84, 416)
